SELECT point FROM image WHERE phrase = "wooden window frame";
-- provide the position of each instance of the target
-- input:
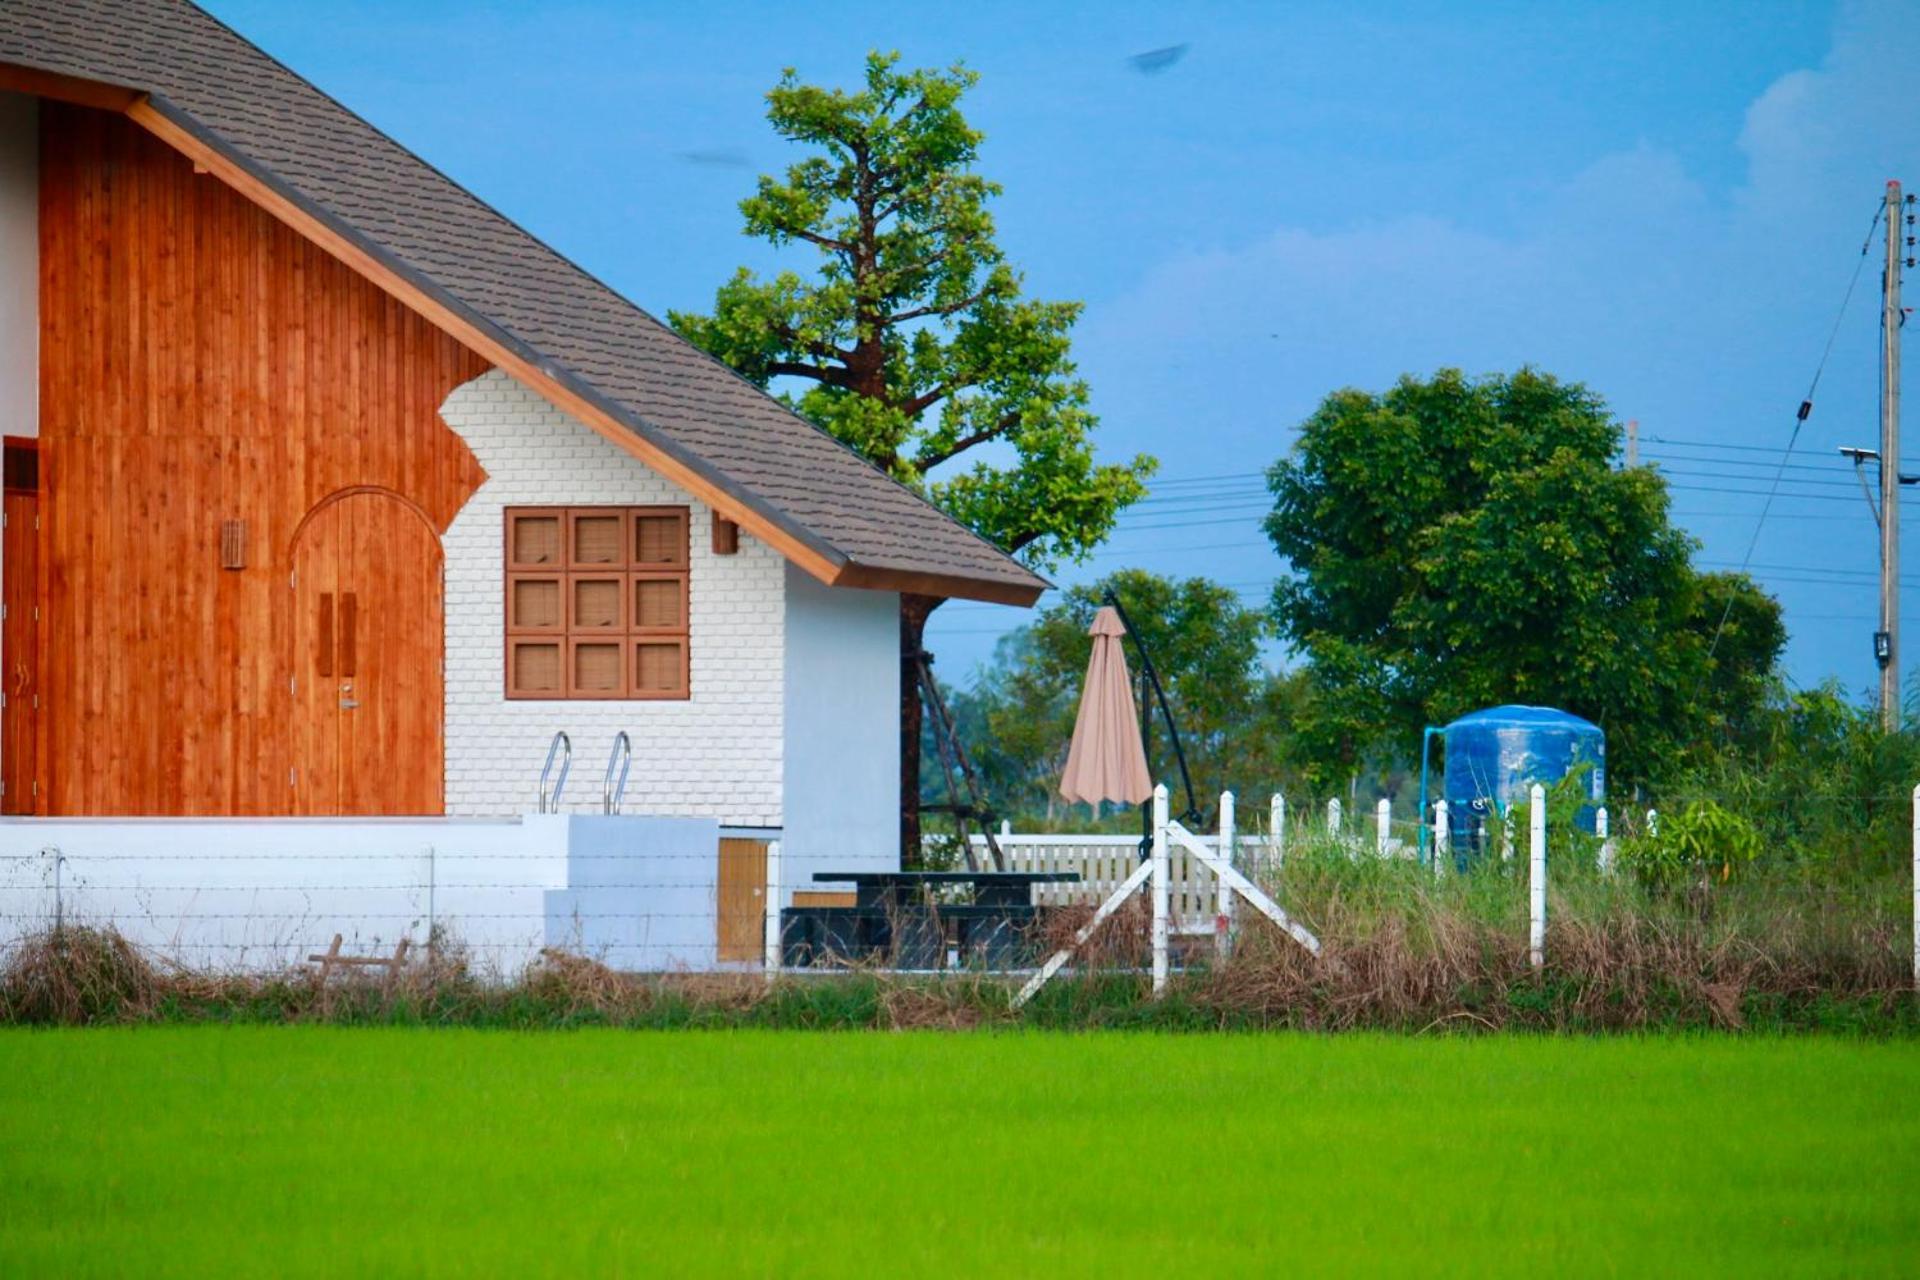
(627, 634)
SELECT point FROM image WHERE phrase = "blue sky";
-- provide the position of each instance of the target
(1665, 201)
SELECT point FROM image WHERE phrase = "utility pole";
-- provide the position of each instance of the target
(1886, 646)
(1633, 443)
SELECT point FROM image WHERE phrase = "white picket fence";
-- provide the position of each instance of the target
(1103, 862)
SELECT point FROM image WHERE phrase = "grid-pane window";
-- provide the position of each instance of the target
(597, 601)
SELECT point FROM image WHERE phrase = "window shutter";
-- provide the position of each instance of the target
(533, 604)
(533, 539)
(599, 540)
(660, 603)
(659, 668)
(660, 536)
(598, 602)
(533, 669)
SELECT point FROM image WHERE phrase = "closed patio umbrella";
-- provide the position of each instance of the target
(1106, 760)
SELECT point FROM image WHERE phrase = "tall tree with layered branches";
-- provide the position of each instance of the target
(911, 341)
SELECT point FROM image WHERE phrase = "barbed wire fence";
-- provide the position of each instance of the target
(1298, 871)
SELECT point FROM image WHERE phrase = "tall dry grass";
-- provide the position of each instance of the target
(1401, 950)
(1405, 948)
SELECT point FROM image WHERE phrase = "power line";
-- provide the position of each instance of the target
(1799, 420)
(1791, 574)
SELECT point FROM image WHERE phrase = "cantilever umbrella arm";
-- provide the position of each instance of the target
(1152, 679)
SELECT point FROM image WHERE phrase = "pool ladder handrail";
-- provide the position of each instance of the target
(562, 746)
(613, 790)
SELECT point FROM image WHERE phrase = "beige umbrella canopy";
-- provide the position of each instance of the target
(1106, 760)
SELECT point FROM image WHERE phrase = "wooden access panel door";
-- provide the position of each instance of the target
(20, 654)
(368, 642)
(742, 899)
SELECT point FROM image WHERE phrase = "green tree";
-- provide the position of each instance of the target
(1829, 789)
(1458, 542)
(1206, 648)
(912, 341)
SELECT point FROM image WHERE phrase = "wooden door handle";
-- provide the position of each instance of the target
(349, 620)
(324, 658)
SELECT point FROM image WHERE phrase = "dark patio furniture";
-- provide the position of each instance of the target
(895, 921)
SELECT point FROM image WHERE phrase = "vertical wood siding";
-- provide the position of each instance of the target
(202, 363)
(20, 644)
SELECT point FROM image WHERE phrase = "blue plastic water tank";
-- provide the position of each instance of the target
(1495, 755)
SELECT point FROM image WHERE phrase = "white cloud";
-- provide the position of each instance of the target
(1699, 312)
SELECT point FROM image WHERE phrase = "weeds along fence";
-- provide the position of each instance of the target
(1298, 912)
(1728, 894)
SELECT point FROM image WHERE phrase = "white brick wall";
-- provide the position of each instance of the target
(717, 754)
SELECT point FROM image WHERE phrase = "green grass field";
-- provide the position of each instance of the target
(348, 1152)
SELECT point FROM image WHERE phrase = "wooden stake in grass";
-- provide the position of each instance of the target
(1537, 876)
(331, 959)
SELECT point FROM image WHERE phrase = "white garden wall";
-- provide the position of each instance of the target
(717, 754)
(259, 895)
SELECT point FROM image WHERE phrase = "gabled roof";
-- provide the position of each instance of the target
(251, 121)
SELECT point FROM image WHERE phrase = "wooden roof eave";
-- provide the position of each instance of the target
(212, 154)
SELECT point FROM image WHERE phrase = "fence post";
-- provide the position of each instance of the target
(58, 860)
(1382, 822)
(1537, 875)
(773, 939)
(1916, 888)
(1223, 912)
(1442, 838)
(1333, 817)
(1506, 836)
(1277, 830)
(433, 884)
(1606, 840)
(1160, 878)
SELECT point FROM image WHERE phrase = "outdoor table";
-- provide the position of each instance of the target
(891, 916)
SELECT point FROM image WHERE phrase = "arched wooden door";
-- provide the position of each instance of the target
(368, 641)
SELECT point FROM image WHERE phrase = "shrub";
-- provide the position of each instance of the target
(74, 974)
(1702, 841)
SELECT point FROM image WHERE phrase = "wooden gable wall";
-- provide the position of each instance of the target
(201, 363)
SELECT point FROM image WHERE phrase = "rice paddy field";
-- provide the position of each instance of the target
(345, 1151)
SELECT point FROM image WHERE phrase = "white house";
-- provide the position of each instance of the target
(333, 495)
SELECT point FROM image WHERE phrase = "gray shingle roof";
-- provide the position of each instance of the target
(498, 277)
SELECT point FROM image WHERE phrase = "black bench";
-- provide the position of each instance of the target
(894, 920)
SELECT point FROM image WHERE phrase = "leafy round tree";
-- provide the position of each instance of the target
(1206, 648)
(1460, 542)
(912, 341)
